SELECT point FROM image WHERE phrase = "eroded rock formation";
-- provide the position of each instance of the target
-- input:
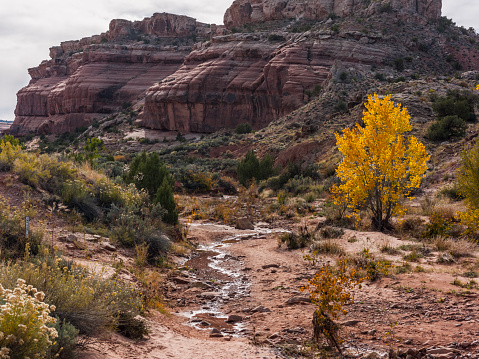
(195, 77)
(93, 77)
(243, 78)
(258, 11)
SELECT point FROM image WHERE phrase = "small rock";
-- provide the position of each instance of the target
(202, 285)
(298, 300)
(260, 309)
(215, 333)
(108, 247)
(181, 280)
(233, 318)
(80, 245)
(228, 338)
(244, 223)
(210, 295)
(412, 352)
(274, 336)
(442, 351)
(266, 266)
(71, 238)
(350, 323)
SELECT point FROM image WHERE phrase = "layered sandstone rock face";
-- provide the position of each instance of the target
(93, 77)
(195, 77)
(258, 11)
(243, 78)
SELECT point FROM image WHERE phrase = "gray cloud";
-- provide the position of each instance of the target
(29, 28)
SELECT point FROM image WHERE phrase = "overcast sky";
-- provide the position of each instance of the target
(29, 28)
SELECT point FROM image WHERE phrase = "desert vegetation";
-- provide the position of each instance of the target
(347, 227)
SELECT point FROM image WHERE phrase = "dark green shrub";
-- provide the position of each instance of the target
(66, 342)
(294, 241)
(341, 106)
(130, 225)
(132, 327)
(423, 47)
(251, 168)
(76, 196)
(452, 192)
(398, 63)
(165, 198)
(386, 8)
(329, 232)
(450, 106)
(12, 231)
(243, 128)
(438, 225)
(147, 172)
(276, 37)
(180, 137)
(158, 245)
(335, 28)
(443, 23)
(447, 128)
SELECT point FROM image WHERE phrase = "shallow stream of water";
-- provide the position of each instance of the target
(211, 263)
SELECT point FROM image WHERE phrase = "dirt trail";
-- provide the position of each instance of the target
(245, 276)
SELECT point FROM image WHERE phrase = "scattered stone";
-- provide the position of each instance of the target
(201, 285)
(215, 333)
(274, 336)
(79, 245)
(210, 295)
(244, 223)
(181, 280)
(228, 338)
(412, 352)
(108, 247)
(442, 351)
(233, 318)
(71, 238)
(298, 300)
(350, 323)
(260, 309)
(266, 266)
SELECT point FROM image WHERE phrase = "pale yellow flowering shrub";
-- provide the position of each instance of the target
(24, 323)
(8, 154)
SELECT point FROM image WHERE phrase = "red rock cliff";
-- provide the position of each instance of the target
(246, 78)
(93, 77)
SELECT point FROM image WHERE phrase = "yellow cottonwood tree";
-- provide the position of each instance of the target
(380, 165)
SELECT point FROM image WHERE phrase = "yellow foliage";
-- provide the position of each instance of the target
(379, 166)
(468, 179)
(8, 154)
(330, 290)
